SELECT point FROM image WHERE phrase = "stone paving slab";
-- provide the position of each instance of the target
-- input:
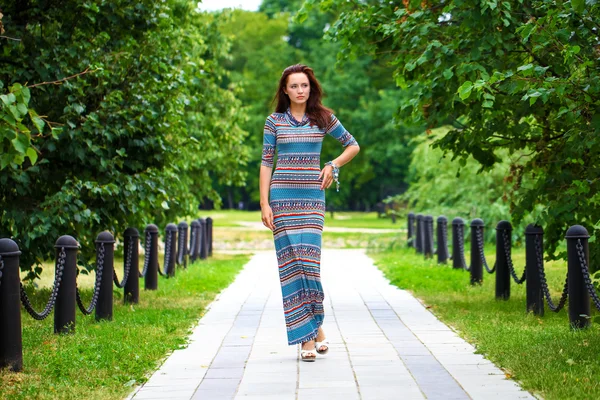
(384, 345)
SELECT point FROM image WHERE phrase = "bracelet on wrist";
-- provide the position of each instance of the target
(336, 174)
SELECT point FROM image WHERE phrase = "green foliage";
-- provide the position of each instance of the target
(440, 186)
(135, 127)
(361, 93)
(515, 75)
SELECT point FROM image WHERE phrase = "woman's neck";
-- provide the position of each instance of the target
(298, 110)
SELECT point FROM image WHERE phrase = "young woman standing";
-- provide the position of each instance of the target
(292, 199)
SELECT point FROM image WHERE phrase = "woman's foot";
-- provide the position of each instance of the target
(322, 345)
(308, 351)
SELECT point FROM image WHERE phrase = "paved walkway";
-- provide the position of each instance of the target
(384, 345)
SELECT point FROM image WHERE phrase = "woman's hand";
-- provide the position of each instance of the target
(326, 176)
(267, 217)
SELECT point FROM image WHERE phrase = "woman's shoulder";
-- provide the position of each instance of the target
(277, 117)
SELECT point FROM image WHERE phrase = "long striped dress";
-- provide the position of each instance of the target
(298, 206)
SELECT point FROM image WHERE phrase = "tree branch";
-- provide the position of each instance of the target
(58, 82)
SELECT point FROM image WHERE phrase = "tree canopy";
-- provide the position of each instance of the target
(113, 115)
(520, 76)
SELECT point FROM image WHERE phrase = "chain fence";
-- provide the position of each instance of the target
(539, 256)
(128, 258)
(99, 269)
(479, 237)
(509, 261)
(461, 249)
(60, 267)
(586, 275)
(147, 245)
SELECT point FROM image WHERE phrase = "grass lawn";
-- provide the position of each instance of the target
(543, 353)
(225, 218)
(106, 360)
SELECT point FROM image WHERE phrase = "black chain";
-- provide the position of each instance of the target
(167, 254)
(586, 274)
(507, 253)
(1, 269)
(461, 247)
(99, 269)
(479, 236)
(563, 298)
(60, 267)
(146, 254)
(128, 257)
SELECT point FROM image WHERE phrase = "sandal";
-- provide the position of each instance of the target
(308, 355)
(318, 346)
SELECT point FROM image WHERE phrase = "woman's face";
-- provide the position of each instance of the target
(298, 88)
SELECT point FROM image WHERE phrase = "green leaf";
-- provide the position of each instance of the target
(165, 205)
(464, 91)
(21, 143)
(448, 73)
(32, 154)
(578, 5)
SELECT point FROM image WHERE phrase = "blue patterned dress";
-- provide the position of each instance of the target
(298, 206)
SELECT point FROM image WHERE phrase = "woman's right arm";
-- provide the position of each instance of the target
(264, 184)
(266, 168)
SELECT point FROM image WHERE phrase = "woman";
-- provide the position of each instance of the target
(296, 209)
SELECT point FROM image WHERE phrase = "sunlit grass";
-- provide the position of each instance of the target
(105, 360)
(543, 353)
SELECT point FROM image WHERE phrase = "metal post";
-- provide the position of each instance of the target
(428, 236)
(502, 272)
(579, 297)
(182, 249)
(104, 307)
(132, 286)
(458, 233)
(535, 299)
(209, 236)
(194, 232)
(476, 263)
(411, 228)
(203, 239)
(151, 277)
(442, 239)
(170, 249)
(419, 233)
(11, 341)
(64, 308)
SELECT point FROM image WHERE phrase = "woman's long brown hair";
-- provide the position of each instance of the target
(318, 114)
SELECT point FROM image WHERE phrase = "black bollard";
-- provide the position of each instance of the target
(502, 272)
(151, 276)
(428, 236)
(64, 308)
(132, 285)
(194, 232)
(105, 256)
(419, 233)
(476, 263)
(458, 235)
(579, 297)
(170, 249)
(182, 239)
(535, 296)
(411, 229)
(203, 239)
(11, 341)
(442, 239)
(209, 236)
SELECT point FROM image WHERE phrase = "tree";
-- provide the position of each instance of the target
(514, 75)
(140, 124)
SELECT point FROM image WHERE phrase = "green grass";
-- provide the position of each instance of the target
(543, 353)
(229, 218)
(105, 360)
